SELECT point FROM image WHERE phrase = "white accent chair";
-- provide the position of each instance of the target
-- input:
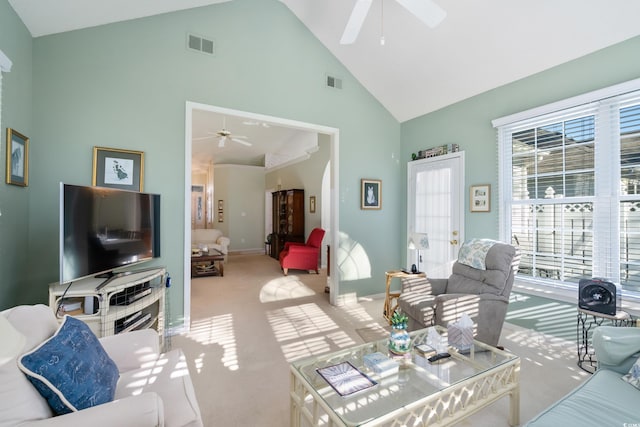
(154, 388)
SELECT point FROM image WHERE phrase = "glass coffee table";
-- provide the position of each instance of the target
(419, 393)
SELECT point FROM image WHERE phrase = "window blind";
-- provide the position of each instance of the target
(571, 190)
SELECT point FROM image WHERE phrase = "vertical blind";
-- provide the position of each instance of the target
(571, 191)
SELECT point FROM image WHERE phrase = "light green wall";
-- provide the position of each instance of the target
(468, 123)
(242, 189)
(125, 85)
(17, 96)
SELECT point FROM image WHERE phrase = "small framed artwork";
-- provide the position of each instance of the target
(220, 205)
(17, 158)
(312, 204)
(220, 216)
(480, 198)
(117, 168)
(370, 194)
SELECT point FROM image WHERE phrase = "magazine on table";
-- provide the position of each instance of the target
(345, 378)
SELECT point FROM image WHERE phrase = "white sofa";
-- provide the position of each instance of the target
(202, 238)
(153, 388)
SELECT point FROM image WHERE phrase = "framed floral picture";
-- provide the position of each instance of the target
(370, 194)
(17, 158)
(117, 168)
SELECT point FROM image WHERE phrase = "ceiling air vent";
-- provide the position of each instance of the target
(201, 44)
(334, 82)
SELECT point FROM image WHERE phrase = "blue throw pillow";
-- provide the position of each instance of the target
(71, 370)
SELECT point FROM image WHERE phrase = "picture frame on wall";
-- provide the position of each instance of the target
(480, 198)
(312, 204)
(17, 158)
(118, 168)
(370, 194)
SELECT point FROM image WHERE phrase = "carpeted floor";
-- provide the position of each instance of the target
(544, 315)
(250, 324)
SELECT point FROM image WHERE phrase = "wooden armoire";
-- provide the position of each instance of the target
(288, 219)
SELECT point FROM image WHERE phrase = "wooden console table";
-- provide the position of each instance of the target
(205, 264)
(391, 298)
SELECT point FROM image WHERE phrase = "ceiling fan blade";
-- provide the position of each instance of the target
(200, 138)
(425, 10)
(358, 14)
(239, 141)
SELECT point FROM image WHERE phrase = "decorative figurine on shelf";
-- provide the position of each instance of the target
(399, 341)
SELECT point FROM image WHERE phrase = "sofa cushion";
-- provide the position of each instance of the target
(633, 376)
(603, 398)
(71, 369)
(168, 376)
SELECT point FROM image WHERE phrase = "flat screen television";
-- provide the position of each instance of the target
(103, 229)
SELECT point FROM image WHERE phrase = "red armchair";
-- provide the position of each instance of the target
(302, 256)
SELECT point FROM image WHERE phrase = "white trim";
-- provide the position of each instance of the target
(334, 138)
(595, 96)
(5, 63)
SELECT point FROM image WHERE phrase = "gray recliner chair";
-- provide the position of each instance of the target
(481, 291)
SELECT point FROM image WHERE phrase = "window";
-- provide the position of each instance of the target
(570, 181)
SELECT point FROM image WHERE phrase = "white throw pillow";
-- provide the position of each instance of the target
(20, 402)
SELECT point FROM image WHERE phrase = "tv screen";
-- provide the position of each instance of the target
(102, 229)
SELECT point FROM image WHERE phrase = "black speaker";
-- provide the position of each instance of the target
(599, 295)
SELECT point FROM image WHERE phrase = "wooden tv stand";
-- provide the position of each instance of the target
(127, 302)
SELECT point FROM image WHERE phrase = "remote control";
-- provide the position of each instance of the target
(438, 357)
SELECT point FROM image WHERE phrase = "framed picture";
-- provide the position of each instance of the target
(117, 168)
(370, 194)
(220, 216)
(480, 198)
(17, 158)
(220, 205)
(312, 204)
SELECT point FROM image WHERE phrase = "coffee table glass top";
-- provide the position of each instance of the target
(415, 380)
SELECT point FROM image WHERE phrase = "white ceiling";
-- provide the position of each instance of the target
(272, 145)
(481, 44)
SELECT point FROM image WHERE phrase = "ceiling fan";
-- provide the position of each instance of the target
(425, 10)
(225, 135)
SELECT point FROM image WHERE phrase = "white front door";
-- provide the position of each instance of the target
(436, 207)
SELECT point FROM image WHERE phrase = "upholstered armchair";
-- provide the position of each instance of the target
(480, 285)
(302, 256)
(62, 375)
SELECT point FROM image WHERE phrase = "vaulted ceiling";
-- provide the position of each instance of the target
(480, 45)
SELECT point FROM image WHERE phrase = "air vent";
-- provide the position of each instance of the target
(201, 44)
(334, 82)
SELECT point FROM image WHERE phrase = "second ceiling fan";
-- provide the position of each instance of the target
(425, 10)
(225, 135)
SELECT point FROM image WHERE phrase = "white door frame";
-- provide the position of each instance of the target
(334, 139)
(458, 206)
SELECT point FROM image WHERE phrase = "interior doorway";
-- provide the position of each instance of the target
(333, 137)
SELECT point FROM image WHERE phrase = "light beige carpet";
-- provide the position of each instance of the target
(249, 325)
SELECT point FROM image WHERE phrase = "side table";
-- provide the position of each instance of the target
(587, 321)
(390, 299)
